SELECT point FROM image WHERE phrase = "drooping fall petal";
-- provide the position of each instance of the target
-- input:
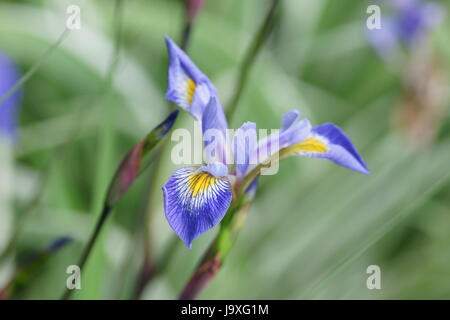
(195, 200)
(328, 141)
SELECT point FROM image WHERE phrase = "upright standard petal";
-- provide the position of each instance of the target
(195, 200)
(328, 141)
(214, 127)
(244, 145)
(293, 130)
(8, 109)
(288, 119)
(188, 87)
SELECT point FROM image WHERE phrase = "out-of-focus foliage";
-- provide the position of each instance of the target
(314, 227)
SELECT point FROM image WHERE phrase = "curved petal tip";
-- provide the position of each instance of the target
(340, 149)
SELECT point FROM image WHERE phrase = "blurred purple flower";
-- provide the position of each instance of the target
(9, 75)
(415, 18)
(409, 23)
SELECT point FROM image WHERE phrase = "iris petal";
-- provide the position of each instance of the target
(339, 148)
(188, 87)
(244, 145)
(214, 126)
(292, 132)
(195, 200)
(289, 119)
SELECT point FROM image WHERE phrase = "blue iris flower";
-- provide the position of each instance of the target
(9, 75)
(406, 26)
(197, 198)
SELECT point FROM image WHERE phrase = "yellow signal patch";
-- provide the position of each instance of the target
(190, 89)
(199, 182)
(309, 145)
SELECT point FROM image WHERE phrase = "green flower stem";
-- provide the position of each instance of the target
(250, 57)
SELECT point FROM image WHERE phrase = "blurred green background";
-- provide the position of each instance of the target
(314, 228)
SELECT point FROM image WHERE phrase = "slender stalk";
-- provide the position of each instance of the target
(35, 67)
(263, 33)
(186, 35)
(87, 250)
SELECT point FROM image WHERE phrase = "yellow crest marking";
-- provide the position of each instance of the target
(309, 145)
(190, 89)
(199, 182)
